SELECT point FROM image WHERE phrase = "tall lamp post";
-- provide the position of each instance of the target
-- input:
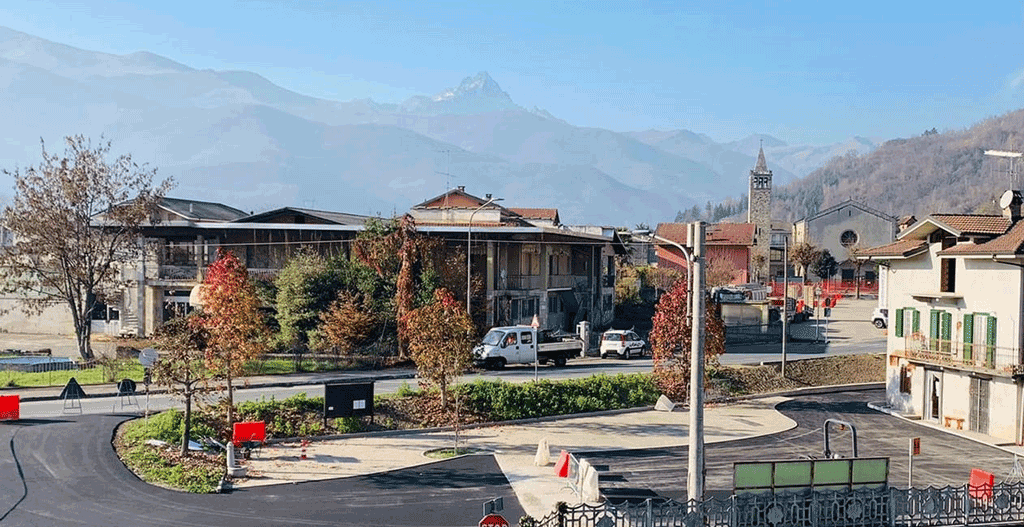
(469, 249)
(695, 288)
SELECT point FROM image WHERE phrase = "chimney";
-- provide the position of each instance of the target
(462, 188)
(1010, 202)
(488, 196)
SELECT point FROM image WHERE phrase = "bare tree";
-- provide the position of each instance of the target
(803, 254)
(75, 218)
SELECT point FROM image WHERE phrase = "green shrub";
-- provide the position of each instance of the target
(502, 401)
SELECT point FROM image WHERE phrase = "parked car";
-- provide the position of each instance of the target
(880, 317)
(623, 344)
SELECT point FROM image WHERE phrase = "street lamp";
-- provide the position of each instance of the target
(695, 462)
(469, 249)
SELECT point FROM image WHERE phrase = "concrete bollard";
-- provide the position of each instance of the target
(664, 404)
(234, 469)
(543, 457)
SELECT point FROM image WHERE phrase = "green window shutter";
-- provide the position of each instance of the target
(899, 322)
(946, 331)
(916, 323)
(968, 336)
(933, 328)
(990, 341)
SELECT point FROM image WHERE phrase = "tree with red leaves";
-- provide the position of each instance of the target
(441, 340)
(671, 338)
(231, 315)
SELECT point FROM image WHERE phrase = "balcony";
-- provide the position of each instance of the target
(191, 273)
(977, 358)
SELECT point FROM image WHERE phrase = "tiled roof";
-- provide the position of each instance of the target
(339, 218)
(536, 214)
(201, 210)
(672, 231)
(899, 248)
(730, 234)
(715, 234)
(1009, 243)
(973, 223)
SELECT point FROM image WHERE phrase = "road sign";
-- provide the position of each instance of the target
(493, 520)
(915, 446)
(147, 357)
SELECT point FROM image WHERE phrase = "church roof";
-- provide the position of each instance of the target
(762, 166)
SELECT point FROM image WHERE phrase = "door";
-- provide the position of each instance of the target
(527, 350)
(933, 396)
(979, 395)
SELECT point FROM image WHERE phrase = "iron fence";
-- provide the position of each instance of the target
(892, 507)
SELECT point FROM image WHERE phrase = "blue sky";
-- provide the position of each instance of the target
(802, 71)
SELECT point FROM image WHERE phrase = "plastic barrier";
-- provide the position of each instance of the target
(10, 407)
(249, 432)
(562, 467)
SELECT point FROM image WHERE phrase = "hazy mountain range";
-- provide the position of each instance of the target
(235, 137)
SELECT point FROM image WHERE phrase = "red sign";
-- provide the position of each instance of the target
(915, 448)
(494, 520)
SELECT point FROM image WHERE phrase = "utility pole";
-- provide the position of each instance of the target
(785, 300)
(695, 468)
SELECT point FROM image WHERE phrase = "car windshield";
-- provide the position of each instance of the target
(493, 337)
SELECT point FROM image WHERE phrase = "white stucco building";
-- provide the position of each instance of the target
(954, 285)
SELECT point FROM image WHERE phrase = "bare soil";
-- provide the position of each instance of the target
(826, 371)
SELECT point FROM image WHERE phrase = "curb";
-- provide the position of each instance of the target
(812, 390)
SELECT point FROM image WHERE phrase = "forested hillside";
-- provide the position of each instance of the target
(936, 172)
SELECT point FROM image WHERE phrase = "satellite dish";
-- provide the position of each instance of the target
(1007, 199)
(148, 357)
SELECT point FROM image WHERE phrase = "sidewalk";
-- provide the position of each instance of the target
(514, 447)
(49, 393)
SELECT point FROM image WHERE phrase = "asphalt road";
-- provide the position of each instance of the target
(63, 472)
(946, 459)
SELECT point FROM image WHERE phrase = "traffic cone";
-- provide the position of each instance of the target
(305, 443)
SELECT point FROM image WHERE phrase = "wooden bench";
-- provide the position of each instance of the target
(958, 420)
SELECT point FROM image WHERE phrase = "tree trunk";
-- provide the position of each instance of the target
(187, 429)
(83, 331)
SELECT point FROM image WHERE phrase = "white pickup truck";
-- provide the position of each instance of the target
(524, 344)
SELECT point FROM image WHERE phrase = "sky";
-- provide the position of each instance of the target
(802, 71)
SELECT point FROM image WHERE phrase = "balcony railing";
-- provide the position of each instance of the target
(971, 356)
(191, 272)
(524, 282)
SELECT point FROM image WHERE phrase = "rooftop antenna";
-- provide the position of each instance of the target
(1010, 165)
(447, 175)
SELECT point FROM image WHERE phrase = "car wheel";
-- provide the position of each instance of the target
(626, 354)
(604, 355)
(879, 323)
(560, 361)
(500, 363)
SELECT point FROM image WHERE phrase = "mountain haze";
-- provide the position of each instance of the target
(236, 137)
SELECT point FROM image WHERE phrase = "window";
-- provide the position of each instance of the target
(908, 322)
(940, 330)
(848, 238)
(947, 277)
(6, 238)
(526, 337)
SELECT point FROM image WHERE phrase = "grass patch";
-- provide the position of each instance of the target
(198, 472)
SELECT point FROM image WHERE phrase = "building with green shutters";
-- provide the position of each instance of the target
(954, 286)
